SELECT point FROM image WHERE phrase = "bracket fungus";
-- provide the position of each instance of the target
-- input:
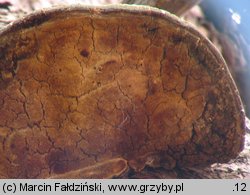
(96, 92)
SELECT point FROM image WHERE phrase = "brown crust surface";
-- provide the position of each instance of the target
(83, 85)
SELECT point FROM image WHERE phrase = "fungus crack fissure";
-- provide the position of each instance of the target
(95, 89)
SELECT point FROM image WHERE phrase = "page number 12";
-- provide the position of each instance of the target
(240, 187)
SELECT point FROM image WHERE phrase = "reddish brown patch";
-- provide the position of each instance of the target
(84, 53)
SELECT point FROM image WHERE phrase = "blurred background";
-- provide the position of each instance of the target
(225, 22)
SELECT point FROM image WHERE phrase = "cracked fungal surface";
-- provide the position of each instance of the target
(94, 92)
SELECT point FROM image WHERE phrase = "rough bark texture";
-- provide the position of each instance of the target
(154, 89)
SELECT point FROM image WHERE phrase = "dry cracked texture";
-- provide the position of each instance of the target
(95, 92)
